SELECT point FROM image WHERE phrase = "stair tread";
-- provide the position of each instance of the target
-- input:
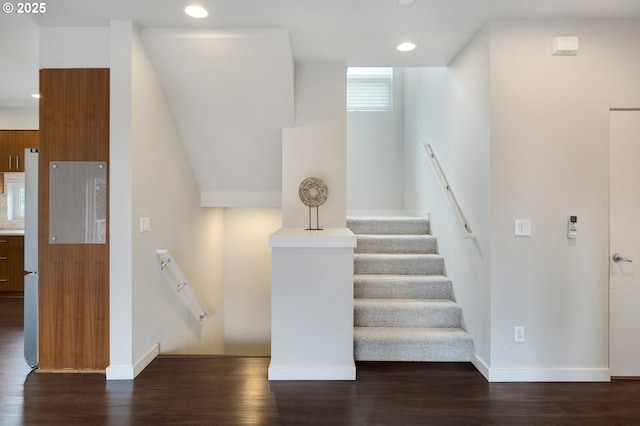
(381, 244)
(405, 302)
(402, 287)
(401, 264)
(386, 218)
(406, 313)
(392, 305)
(400, 278)
(388, 225)
(398, 236)
(413, 344)
(397, 255)
(395, 334)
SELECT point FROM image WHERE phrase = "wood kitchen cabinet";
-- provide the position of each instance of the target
(12, 146)
(11, 263)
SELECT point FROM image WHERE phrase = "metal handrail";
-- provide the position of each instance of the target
(176, 277)
(463, 226)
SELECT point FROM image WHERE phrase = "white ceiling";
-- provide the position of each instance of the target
(207, 68)
(358, 32)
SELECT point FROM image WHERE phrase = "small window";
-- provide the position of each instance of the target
(15, 201)
(370, 89)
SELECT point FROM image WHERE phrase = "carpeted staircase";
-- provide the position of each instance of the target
(403, 307)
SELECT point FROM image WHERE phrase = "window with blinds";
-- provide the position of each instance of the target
(370, 89)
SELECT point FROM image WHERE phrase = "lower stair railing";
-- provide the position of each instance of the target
(175, 277)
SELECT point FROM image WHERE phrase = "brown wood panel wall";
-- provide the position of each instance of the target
(74, 278)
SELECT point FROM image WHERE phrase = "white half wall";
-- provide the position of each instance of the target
(312, 302)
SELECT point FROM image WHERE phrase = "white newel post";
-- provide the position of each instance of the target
(312, 305)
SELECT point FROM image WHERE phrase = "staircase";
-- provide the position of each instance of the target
(403, 307)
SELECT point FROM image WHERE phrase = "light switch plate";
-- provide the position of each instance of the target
(522, 227)
(145, 224)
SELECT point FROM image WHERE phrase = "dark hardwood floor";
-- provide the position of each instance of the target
(235, 391)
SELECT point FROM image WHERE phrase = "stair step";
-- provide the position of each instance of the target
(401, 264)
(406, 313)
(402, 287)
(412, 344)
(403, 307)
(396, 244)
(394, 225)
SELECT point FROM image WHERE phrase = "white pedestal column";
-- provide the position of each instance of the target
(312, 305)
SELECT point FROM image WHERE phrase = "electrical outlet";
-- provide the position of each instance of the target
(519, 334)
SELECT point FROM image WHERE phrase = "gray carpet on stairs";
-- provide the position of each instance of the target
(379, 286)
(403, 307)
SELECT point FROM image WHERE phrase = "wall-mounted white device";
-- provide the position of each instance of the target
(572, 227)
(522, 227)
(565, 46)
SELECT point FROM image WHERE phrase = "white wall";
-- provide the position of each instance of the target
(231, 109)
(247, 279)
(76, 47)
(223, 252)
(19, 118)
(375, 158)
(544, 157)
(449, 109)
(20, 53)
(164, 188)
(549, 157)
(150, 176)
(317, 145)
(120, 200)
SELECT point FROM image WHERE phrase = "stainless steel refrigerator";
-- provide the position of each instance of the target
(31, 258)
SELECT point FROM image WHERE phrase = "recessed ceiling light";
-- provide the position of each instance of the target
(36, 95)
(405, 2)
(406, 47)
(196, 11)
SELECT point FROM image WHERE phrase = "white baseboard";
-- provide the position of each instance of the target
(549, 375)
(126, 372)
(282, 372)
(418, 213)
(480, 365)
(540, 374)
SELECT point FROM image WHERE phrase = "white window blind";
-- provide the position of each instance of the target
(370, 89)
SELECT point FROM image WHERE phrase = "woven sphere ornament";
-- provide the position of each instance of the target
(313, 192)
